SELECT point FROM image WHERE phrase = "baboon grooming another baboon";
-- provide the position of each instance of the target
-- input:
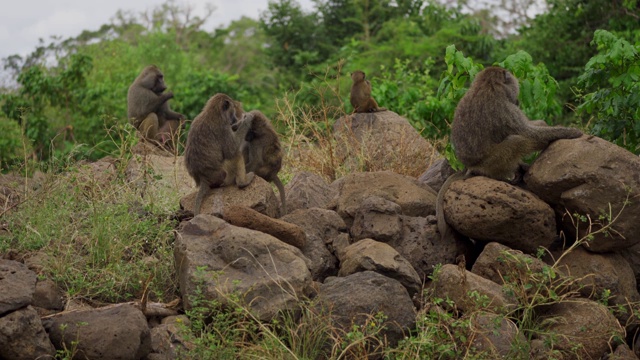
(262, 151)
(360, 97)
(490, 134)
(148, 107)
(212, 155)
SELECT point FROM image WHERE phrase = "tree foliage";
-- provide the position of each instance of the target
(419, 55)
(611, 86)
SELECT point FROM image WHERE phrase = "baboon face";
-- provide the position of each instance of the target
(357, 75)
(225, 106)
(153, 79)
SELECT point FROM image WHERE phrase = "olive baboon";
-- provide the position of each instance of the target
(262, 151)
(360, 98)
(212, 154)
(490, 134)
(148, 107)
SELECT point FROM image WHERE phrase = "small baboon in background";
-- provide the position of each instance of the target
(212, 155)
(360, 98)
(148, 107)
(262, 151)
(490, 134)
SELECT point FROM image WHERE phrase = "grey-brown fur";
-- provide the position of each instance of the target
(490, 134)
(263, 152)
(148, 106)
(212, 154)
(360, 97)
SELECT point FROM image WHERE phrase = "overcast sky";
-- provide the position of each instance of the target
(23, 22)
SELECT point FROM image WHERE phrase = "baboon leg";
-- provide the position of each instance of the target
(504, 159)
(202, 191)
(283, 201)
(168, 133)
(243, 179)
(538, 123)
(149, 127)
(215, 179)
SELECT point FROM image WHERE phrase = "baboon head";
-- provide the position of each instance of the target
(357, 76)
(152, 78)
(224, 107)
(500, 80)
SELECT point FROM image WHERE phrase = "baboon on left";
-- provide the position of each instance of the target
(360, 97)
(212, 155)
(262, 151)
(148, 108)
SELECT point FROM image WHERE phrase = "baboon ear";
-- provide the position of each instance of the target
(225, 105)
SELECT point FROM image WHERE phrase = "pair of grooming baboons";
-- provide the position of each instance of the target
(224, 146)
(490, 136)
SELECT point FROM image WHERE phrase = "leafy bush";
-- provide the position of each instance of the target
(13, 145)
(611, 80)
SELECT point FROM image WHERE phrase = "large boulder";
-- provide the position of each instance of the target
(415, 199)
(580, 328)
(591, 177)
(502, 264)
(437, 174)
(600, 274)
(384, 141)
(22, 336)
(424, 248)
(324, 229)
(17, 286)
(357, 298)
(307, 190)
(378, 219)
(117, 332)
(215, 259)
(371, 255)
(489, 210)
(259, 196)
(458, 284)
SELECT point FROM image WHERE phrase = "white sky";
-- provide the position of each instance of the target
(24, 22)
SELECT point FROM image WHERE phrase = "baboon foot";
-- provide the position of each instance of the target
(248, 179)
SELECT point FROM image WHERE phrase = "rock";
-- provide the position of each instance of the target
(456, 283)
(325, 231)
(623, 352)
(167, 339)
(99, 173)
(47, 295)
(117, 332)
(502, 264)
(437, 174)
(258, 196)
(586, 176)
(307, 190)
(494, 335)
(489, 210)
(421, 245)
(17, 285)
(414, 199)
(355, 298)
(22, 336)
(603, 272)
(251, 219)
(215, 259)
(166, 178)
(386, 140)
(378, 219)
(581, 327)
(376, 256)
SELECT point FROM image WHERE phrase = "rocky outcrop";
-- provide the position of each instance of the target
(384, 140)
(357, 298)
(489, 210)
(215, 259)
(593, 178)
